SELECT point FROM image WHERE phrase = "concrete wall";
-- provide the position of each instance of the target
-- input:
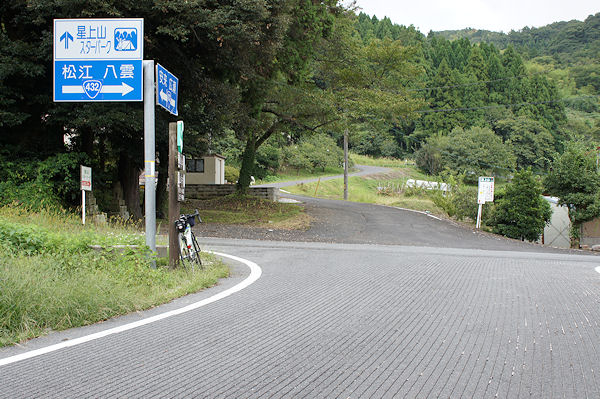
(208, 191)
(214, 172)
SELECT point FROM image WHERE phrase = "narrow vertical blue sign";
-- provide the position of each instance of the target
(167, 86)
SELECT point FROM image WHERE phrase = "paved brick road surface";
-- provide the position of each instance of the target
(353, 321)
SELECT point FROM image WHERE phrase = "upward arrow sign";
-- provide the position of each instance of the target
(66, 37)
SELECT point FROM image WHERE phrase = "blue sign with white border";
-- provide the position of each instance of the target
(107, 80)
(98, 60)
(99, 39)
(167, 86)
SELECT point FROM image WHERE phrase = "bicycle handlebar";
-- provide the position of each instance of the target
(183, 219)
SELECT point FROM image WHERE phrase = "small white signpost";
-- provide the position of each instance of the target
(86, 185)
(485, 194)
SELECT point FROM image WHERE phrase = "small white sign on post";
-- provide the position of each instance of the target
(485, 193)
(86, 178)
(180, 186)
(86, 185)
(486, 190)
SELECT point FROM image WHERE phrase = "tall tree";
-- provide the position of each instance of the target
(280, 56)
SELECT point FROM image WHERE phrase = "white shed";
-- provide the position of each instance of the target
(210, 169)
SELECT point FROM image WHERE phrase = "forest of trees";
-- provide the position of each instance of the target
(265, 83)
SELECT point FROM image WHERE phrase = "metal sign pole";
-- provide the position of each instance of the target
(149, 156)
(83, 206)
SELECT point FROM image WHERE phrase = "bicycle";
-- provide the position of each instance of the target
(189, 250)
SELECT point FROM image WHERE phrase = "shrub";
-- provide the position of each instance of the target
(464, 200)
(39, 184)
(429, 159)
(521, 212)
(268, 158)
(295, 158)
(232, 173)
(315, 152)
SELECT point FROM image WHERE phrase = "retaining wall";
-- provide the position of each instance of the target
(208, 191)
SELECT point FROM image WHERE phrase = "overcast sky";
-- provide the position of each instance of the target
(495, 15)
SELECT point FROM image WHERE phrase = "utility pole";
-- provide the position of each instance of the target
(346, 164)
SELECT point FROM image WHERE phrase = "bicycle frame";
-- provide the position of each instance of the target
(189, 251)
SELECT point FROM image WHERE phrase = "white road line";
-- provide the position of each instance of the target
(421, 212)
(255, 273)
(598, 269)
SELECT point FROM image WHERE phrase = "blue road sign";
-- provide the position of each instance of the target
(98, 59)
(95, 80)
(166, 89)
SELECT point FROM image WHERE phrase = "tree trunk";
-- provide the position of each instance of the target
(247, 165)
(87, 141)
(129, 178)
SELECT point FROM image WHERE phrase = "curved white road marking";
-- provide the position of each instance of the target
(255, 273)
(598, 269)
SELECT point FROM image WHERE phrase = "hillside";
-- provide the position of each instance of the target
(570, 43)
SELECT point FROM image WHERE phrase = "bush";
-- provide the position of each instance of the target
(473, 152)
(40, 184)
(521, 212)
(295, 158)
(33, 195)
(315, 152)
(429, 159)
(232, 174)
(268, 158)
(464, 200)
(376, 144)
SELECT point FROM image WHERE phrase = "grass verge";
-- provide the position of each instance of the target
(285, 175)
(248, 210)
(51, 280)
(367, 190)
(383, 189)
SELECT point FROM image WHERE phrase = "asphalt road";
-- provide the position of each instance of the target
(385, 303)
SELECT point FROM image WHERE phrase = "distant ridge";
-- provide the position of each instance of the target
(567, 42)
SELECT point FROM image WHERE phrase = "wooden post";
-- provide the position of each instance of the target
(346, 165)
(173, 202)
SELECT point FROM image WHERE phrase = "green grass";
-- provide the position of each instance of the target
(51, 280)
(366, 190)
(291, 175)
(385, 162)
(248, 210)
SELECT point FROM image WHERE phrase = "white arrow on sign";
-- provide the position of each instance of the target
(123, 88)
(167, 98)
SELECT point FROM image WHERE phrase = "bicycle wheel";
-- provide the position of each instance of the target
(195, 251)
(185, 255)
